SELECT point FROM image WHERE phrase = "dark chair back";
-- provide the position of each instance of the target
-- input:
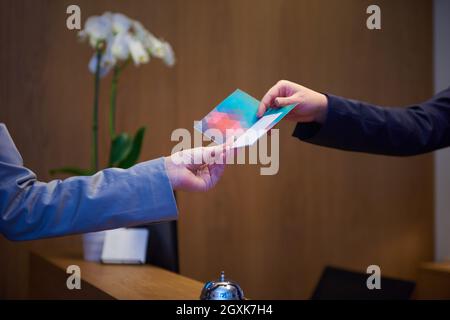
(339, 284)
(162, 249)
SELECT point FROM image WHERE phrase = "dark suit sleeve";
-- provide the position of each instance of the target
(358, 126)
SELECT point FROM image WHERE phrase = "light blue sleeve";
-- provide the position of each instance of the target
(110, 199)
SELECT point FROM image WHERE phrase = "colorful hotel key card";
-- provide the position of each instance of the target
(236, 116)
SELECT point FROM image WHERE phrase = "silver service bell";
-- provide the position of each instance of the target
(222, 290)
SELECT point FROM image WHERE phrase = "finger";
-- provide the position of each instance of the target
(200, 180)
(268, 98)
(230, 140)
(230, 154)
(213, 154)
(285, 101)
(193, 158)
(215, 172)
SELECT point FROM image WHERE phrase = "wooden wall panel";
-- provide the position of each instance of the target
(273, 234)
(46, 96)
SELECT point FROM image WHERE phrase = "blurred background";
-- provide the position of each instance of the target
(272, 234)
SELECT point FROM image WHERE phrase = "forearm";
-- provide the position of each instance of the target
(110, 199)
(357, 126)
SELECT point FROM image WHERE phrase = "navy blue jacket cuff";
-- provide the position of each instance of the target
(318, 133)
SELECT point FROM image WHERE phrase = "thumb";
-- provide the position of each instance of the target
(285, 101)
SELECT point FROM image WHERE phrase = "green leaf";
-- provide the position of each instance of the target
(135, 151)
(120, 148)
(73, 171)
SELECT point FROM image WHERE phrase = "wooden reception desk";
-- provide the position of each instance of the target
(48, 280)
(434, 281)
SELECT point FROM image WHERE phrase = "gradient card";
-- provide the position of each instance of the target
(236, 115)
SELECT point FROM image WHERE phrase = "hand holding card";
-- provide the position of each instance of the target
(236, 117)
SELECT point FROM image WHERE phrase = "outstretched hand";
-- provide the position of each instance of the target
(197, 169)
(311, 106)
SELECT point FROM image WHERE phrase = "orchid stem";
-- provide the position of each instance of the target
(94, 154)
(113, 99)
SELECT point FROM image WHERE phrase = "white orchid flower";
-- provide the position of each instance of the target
(120, 46)
(120, 23)
(108, 15)
(169, 55)
(104, 68)
(157, 48)
(108, 60)
(121, 38)
(154, 45)
(150, 42)
(138, 52)
(97, 28)
(108, 56)
(160, 49)
(139, 30)
(82, 35)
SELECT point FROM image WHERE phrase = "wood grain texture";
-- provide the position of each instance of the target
(433, 281)
(46, 97)
(275, 234)
(272, 234)
(123, 282)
